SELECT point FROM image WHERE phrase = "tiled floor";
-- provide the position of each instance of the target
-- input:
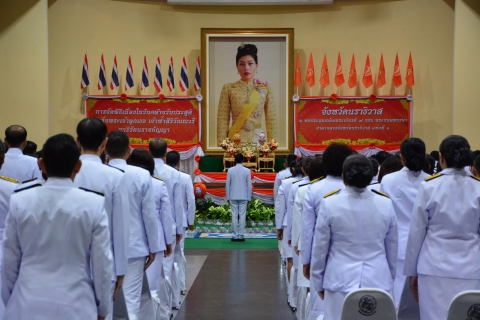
(234, 284)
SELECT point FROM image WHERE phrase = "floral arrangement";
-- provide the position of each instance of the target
(272, 144)
(265, 147)
(226, 144)
(232, 149)
(199, 190)
(248, 153)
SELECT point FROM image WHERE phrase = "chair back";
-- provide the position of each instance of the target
(465, 305)
(368, 303)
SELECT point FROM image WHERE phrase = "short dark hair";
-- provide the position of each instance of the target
(60, 155)
(117, 144)
(306, 164)
(391, 164)
(316, 168)
(30, 148)
(357, 171)
(157, 147)
(476, 164)
(143, 158)
(334, 157)
(413, 151)
(456, 151)
(297, 169)
(429, 165)
(435, 155)
(15, 135)
(91, 132)
(290, 158)
(382, 156)
(172, 158)
(2, 148)
(239, 158)
(247, 50)
(374, 165)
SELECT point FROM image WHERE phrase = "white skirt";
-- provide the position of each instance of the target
(286, 249)
(435, 294)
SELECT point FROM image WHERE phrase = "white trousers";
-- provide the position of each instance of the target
(239, 214)
(399, 282)
(287, 251)
(435, 294)
(293, 288)
(317, 305)
(132, 286)
(180, 260)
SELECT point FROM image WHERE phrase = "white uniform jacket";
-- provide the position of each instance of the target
(444, 239)
(7, 187)
(290, 204)
(164, 216)
(96, 176)
(355, 244)
(402, 188)
(278, 181)
(297, 214)
(239, 183)
(313, 197)
(57, 261)
(19, 166)
(31, 182)
(172, 179)
(282, 200)
(189, 204)
(142, 212)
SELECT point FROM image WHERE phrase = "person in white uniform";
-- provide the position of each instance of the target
(64, 271)
(7, 187)
(155, 273)
(92, 137)
(17, 165)
(173, 160)
(402, 187)
(443, 247)
(143, 239)
(171, 177)
(238, 189)
(285, 173)
(356, 239)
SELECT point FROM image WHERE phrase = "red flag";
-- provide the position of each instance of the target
(324, 78)
(298, 75)
(367, 74)
(397, 77)
(410, 78)
(339, 80)
(352, 75)
(381, 74)
(310, 77)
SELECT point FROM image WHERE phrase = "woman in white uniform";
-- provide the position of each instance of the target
(402, 187)
(356, 238)
(443, 248)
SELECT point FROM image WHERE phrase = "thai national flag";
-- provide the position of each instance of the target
(102, 79)
(170, 80)
(196, 85)
(145, 74)
(129, 78)
(158, 76)
(85, 80)
(183, 76)
(114, 82)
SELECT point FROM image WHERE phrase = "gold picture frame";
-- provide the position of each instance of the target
(275, 66)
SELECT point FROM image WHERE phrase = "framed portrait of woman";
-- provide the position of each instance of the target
(247, 86)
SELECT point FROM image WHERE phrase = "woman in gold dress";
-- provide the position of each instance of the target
(246, 102)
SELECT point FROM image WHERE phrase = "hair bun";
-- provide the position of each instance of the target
(247, 48)
(461, 157)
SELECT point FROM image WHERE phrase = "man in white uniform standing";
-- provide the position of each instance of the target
(92, 137)
(143, 242)
(171, 177)
(173, 160)
(64, 271)
(17, 165)
(238, 193)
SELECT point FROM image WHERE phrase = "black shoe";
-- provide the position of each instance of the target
(234, 239)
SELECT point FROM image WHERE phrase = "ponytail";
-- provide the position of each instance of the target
(456, 152)
(413, 151)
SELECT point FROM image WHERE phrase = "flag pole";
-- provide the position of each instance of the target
(310, 91)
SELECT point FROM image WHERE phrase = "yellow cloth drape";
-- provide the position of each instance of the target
(245, 113)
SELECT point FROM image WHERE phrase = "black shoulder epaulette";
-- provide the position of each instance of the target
(28, 180)
(380, 193)
(332, 193)
(115, 168)
(433, 177)
(318, 179)
(9, 179)
(158, 178)
(138, 166)
(371, 184)
(90, 190)
(297, 181)
(478, 179)
(287, 178)
(29, 187)
(303, 185)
